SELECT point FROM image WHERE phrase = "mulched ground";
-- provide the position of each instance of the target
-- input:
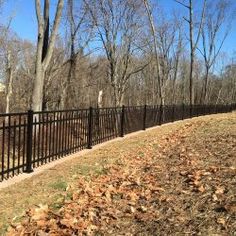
(182, 183)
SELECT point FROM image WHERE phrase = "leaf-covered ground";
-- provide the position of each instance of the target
(179, 179)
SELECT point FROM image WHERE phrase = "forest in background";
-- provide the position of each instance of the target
(118, 52)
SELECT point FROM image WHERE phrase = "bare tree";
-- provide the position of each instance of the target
(118, 26)
(9, 70)
(177, 57)
(169, 34)
(155, 46)
(45, 46)
(193, 43)
(9, 83)
(7, 49)
(228, 83)
(211, 42)
(116, 52)
(79, 37)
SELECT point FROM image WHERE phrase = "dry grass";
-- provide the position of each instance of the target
(181, 149)
(47, 187)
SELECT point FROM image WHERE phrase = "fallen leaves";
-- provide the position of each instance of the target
(221, 221)
(219, 190)
(201, 189)
(231, 207)
(168, 190)
(39, 213)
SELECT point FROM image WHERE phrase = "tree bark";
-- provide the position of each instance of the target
(9, 83)
(100, 99)
(193, 45)
(153, 30)
(66, 90)
(192, 55)
(205, 90)
(45, 46)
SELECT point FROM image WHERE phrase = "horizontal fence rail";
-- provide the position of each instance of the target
(31, 139)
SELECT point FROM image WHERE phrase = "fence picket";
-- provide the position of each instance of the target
(27, 142)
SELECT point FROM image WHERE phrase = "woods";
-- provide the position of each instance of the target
(112, 53)
(148, 87)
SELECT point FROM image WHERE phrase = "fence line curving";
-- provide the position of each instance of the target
(31, 139)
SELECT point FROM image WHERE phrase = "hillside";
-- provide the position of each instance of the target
(174, 179)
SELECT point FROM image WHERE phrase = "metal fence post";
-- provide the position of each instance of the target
(144, 116)
(197, 108)
(161, 114)
(29, 142)
(191, 110)
(122, 119)
(183, 110)
(90, 127)
(173, 113)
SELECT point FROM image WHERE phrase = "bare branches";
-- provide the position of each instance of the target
(193, 43)
(53, 33)
(45, 47)
(39, 16)
(130, 49)
(201, 25)
(116, 25)
(153, 30)
(211, 44)
(181, 3)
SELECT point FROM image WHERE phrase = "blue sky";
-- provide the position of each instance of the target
(230, 43)
(25, 25)
(24, 21)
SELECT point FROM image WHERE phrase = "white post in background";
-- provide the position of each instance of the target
(100, 99)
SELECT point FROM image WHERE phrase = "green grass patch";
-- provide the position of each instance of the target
(59, 185)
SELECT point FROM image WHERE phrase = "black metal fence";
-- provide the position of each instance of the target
(31, 139)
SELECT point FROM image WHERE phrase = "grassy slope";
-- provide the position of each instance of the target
(187, 154)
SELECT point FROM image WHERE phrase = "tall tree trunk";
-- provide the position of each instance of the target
(233, 96)
(45, 47)
(9, 89)
(67, 95)
(191, 88)
(37, 97)
(153, 30)
(174, 81)
(193, 45)
(205, 89)
(66, 90)
(192, 55)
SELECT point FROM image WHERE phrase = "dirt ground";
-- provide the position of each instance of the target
(177, 179)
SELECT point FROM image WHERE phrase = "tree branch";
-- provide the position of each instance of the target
(181, 3)
(53, 34)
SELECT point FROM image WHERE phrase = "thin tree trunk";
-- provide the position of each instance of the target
(39, 76)
(9, 89)
(218, 97)
(150, 18)
(191, 91)
(66, 86)
(174, 81)
(205, 89)
(66, 90)
(45, 47)
(193, 45)
(100, 99)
